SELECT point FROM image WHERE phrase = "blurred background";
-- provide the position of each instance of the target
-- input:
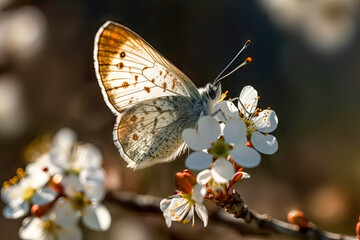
(306, 67)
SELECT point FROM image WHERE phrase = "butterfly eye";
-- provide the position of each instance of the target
(212, 90)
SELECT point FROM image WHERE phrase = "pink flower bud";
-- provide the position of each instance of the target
(184, 181)
(298, 217)
(358, 229)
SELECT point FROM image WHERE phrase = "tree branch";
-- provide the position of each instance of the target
(252, 223)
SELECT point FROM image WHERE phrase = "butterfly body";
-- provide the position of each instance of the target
(152, 99)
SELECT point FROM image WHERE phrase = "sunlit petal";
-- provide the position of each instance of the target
(194, 140)
(73, 233)
(209, 128)
(198, 161)
(266, 122)
(246, 156)
(198, 193)
(44, 196)
(222, 171)
(31, 229)
(202, 213)
(203, 177)
(97, 217)
(17, 208)
(248, 99)
(227, 109)
(264, 143)
(235, 131)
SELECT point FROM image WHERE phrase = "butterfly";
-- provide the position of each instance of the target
(152, 99)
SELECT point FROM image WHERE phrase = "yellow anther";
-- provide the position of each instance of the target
(176, 205)
(269, 108)
(19, 171)
(171, 209)
(6, 184)
(223, 96)
(173, 214)
(13, 180)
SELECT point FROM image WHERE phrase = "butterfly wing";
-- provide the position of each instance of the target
(129, 70)
(153, 100)
(150, 131)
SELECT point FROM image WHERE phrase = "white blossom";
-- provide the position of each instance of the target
(30, 189)
(259, 123)
(60, 223)
(209, 144)
(182, 207)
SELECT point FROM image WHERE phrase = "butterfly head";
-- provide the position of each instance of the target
(213, 91)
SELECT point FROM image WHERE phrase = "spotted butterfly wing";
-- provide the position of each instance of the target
(153, 100)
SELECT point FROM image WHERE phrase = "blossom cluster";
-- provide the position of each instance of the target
(57, 189)
(223, 144)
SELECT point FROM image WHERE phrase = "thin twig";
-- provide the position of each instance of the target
(252, 224)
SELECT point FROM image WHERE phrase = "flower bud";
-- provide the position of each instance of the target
(55, 184)
(358, 229)
(249, 144)
(184, 181)
(298, 217)
(40, 211)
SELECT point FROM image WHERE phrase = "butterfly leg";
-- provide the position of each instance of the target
(219, 113)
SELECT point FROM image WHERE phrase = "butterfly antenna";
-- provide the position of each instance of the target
(248, 60)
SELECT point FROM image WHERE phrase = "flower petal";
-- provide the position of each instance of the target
(73, 233)
(246, 156)
(92, 174)
(165, 206)
(248, 99)
(228, 109)
(86, 155)
(42, 163)
(266, 144)
(194, 140)
(198, 193)
(266, 122)
(94, 191)
(245, 175)
(209, 128)
(72, 185)
(44, 196)
(198, 161)
(96, 217)
(222, 171)
(64, 138)
(203, 177)
(31, 229)
(235, 131)
(5, 196)
(202, 213)
(16, 208)
(166, 202)
(39, 179)
(64, 213)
